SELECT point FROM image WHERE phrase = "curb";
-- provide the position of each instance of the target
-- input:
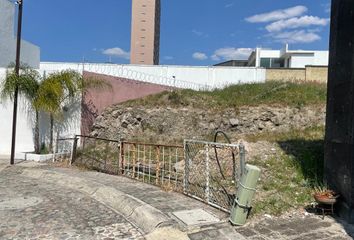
(140, 213)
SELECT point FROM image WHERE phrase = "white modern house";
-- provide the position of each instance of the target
(30, 53)
(286, 58)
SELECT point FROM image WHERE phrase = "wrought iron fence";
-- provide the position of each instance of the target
(155, 164)
(98, 153)
(207, 171)
(213, 171)
(63, 149)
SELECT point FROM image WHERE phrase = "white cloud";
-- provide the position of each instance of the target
(300, 36)
(278, 14)
(116, 52)
(297, 22)
(200, 56)
(231, 54)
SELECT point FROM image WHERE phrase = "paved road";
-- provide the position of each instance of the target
(43, 202)
(31, 209)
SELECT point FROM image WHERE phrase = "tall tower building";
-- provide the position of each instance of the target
(145, 35)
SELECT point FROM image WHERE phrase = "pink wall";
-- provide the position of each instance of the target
(95, 101)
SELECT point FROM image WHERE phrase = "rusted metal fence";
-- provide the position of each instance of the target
(155, 164)
(207, 171)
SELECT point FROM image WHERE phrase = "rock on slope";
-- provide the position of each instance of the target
(174, 124)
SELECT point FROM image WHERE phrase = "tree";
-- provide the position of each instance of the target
(61, 88)
(48, 94)
(28, 84)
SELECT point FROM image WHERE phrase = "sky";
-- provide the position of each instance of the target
(193, 32)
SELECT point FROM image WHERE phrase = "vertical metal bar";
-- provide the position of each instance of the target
(242, 161)
(73, 151)
(138, 162)
(157, 164)
(163, 165)
(122, 159)
(94, 151)
(83, 149)
(170, 166)
(150, 164)
(134, 159)
(105, 156)
(128, 159)
(186, 167)
(144, 162)
(207, 171)
(17, 71)
(176, 174)
(56, 149)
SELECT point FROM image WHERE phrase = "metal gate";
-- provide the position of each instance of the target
(212, 171)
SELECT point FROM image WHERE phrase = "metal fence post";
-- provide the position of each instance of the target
(73, 151)
(121, 158)
(207, 169)
(55, 148)
(105, 157)
(242, 161)
(157, 164)
(134, 159)
(186, 167)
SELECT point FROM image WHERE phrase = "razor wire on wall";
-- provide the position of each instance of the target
(186, 77)
(124, 72)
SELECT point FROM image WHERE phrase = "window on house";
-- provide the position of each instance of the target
(277, 63)
(265, 62)
(272, 62)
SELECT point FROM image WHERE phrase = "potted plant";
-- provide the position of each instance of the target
(324, 195)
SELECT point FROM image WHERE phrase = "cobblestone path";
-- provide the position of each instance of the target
(30, 209)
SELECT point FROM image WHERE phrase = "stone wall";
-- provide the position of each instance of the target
(172, 125)
(285, 74)
(310, 73)
(317, 73)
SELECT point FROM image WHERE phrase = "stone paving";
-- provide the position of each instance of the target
(33, 208)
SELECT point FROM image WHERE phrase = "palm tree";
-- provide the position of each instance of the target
(28, 84)
(61, 88)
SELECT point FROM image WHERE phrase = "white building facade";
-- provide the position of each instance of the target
(286, 58)
(30, 54)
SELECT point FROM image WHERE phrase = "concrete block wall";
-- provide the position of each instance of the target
(286, 74)
(317, 73)
(310, 74)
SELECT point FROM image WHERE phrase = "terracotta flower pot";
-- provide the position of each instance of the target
(325, 198)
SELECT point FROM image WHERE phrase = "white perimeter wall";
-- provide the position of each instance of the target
(185, 76)
(70, 124)
(199, 78)
(24, 139)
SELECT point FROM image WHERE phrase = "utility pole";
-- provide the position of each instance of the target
(17, 71)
